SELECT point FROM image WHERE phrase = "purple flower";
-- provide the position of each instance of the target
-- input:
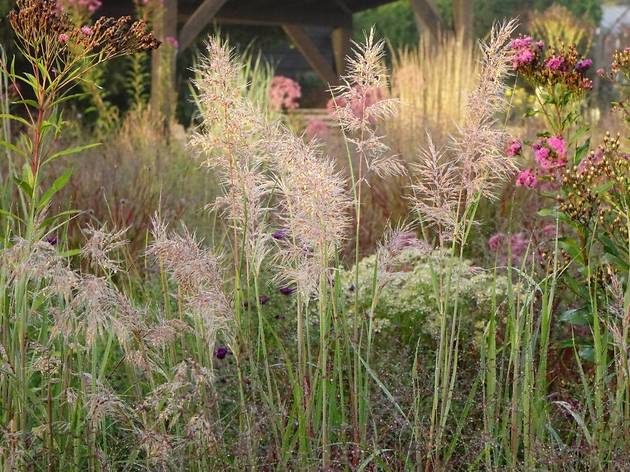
(496, 241)
(583, 65)
(522, 58)
(280, 235)
(555, 62)
(519, 244)
(86, 30)
(521, 43)
(526, 178)
(558, 144)
(263, 299)
(52, 240)
(542, 157)
(221, 352)
(287, 290)
(63, 37)
(514, 148)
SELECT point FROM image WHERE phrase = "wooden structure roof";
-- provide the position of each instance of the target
(186, 19)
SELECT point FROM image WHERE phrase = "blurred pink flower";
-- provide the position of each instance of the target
(316, 128)
(583, 65)
(284, 93)
(555, 62)
(63, 37)
(86, 30)
(361, 100)
(527, 178)
(558, 144)
(519, 244)
(496, 241)
(171, 40)
(514, 148)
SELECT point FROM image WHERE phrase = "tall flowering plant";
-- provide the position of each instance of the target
(587, 192)
(60, 54)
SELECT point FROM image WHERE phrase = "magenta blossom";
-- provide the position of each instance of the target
(284, 93)
(555, 62)
(514, 148)
(316, 128)
(558, 144)
(526, 178)
(496, 241)
(86, 30)
(542, 157)
(63, 37)
(519, 244)
(583, 65)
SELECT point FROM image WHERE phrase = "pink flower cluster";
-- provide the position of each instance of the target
(551, 156)
(518, 243)
(514, 148)
(525, 51)
(172, 41)
(527, 178)
(550, 153)
(361, 100)
(284, 93)
(316, 128)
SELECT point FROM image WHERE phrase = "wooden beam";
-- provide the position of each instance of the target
(463, 19)
(340, 39)
(163, 60)
(198, 21)
(310, 52)
(427, 15)
(323, 16)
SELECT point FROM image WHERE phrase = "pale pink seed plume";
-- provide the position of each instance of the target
(100, 247)
(360, 103)
(198, 274)
(437, 190)
(474, 165)
(233, 141)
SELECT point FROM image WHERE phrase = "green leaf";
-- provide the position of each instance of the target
(581, 151)
(70, 151)
(576, 316)
(26, 188)
(12, 148)
(70, 253)
(19, 119)
(59, 183)
(572, 247)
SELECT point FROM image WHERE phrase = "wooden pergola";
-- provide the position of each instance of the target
(186, 19)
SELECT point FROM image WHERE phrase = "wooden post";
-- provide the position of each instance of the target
(463, 19)
(198, 21)
(428, 17)
(340, 39)
(310, 52)
(163, 94)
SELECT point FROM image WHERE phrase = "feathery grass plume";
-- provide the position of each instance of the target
(39, 261)
(100, 245)
(314, 209)
(360, 103)
(231, 141)
(474, 164)
(101, 402)
(91, 312)
(197, 273)
(479, 144)
(437, 190)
